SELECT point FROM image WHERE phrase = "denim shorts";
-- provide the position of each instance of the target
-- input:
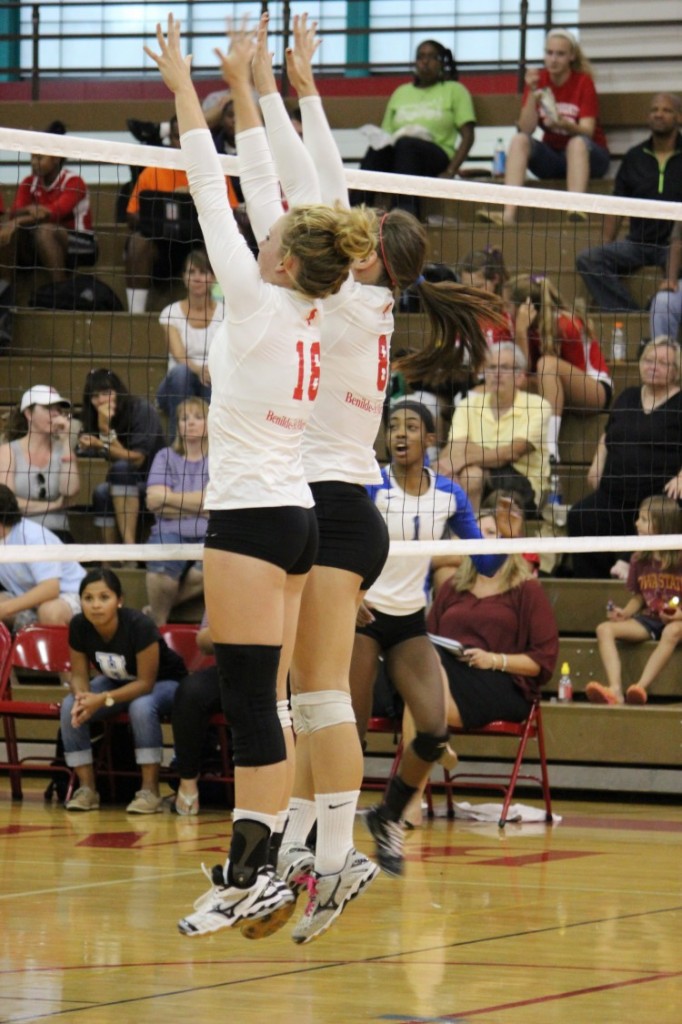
(654, 627)
(546, 162)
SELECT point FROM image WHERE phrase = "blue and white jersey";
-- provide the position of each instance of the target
(400, 590)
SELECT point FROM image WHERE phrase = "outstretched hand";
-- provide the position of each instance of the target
(235, 65)
(174, 68)
(300, 58)
(261, 66)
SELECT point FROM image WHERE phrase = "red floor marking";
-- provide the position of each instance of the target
(624, 824)
(112, 840)
(534, 858)
(15, 830)
(503, 861)
(466, 1014)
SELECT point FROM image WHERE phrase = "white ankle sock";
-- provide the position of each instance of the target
(335, 820)
(302, 816)
(553, 429)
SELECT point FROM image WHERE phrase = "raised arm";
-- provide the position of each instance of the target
(294, 164)
(257, 173)
(317, 135)
(233, 264)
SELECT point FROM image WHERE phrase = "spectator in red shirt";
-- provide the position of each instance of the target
(561, 349)
(50, 220)
(562, 99)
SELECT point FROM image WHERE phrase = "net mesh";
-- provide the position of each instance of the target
(58, 347)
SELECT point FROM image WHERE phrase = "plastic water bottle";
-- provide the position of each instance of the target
(618, 346)
(499, 159)
(565, 691)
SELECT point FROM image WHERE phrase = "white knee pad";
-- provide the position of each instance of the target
(321, 709)
(284, 714)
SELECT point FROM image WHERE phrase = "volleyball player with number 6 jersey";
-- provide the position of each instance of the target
(262, 534)
(339, 461)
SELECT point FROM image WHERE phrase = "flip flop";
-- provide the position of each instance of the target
(597, 693)
(636, 695)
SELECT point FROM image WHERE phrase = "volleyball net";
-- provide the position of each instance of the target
(58, 342)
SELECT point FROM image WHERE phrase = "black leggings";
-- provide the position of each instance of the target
(196, 699)
(408, 156)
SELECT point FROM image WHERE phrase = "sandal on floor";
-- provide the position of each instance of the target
(186, 806)
(494, 217)
(597, 693)
(635, 695)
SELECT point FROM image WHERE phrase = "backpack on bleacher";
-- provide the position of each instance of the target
(80, 292)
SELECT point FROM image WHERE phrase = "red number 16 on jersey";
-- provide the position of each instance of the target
(313, 371)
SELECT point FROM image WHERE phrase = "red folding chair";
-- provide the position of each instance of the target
(182, 638)
(531, 729)
(40, 649)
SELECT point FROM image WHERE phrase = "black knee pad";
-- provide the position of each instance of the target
(248, 692)
(429, 747)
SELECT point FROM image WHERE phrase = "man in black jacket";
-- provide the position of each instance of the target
(651, 170)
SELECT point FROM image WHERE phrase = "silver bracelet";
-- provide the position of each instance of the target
(504, 662)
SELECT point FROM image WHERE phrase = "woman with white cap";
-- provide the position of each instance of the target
(37, 463)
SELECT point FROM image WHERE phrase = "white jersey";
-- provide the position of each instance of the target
(196, 340)
(338, 443)
(264, 361)
(401, 587)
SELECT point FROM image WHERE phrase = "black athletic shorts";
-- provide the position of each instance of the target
(353, 534)
(285, 536)
(391, 630)
(482, 695)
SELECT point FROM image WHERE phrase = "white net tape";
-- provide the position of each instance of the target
(99, 151)
(82, 150)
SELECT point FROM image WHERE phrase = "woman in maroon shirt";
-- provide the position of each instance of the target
(510, 638)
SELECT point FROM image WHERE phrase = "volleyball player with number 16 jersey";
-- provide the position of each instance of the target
(262, 533)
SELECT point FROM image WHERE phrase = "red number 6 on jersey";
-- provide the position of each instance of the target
(313, 373)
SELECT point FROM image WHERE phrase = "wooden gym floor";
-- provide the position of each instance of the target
(579, 922)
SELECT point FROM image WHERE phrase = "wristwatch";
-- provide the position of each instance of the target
(109, 701)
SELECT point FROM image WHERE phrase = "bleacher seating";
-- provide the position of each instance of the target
(62, 347)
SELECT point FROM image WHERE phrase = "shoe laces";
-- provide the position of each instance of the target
(310, 883)
(392, 836)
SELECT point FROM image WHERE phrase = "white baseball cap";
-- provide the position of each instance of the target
(42, 394)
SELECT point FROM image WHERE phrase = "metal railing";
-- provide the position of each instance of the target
(38, 29)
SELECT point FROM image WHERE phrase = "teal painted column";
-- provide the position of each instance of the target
(9, 48)
(357, 47)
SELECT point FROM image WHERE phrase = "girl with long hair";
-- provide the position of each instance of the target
(176, 488)
(190, 326)
(37, 462)
(562, 350)
(262, 533)
(560, 98)
(652, 613)
(125, 430)
(135, 671)
(339, 461)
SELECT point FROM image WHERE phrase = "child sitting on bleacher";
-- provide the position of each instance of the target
(652, 613)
